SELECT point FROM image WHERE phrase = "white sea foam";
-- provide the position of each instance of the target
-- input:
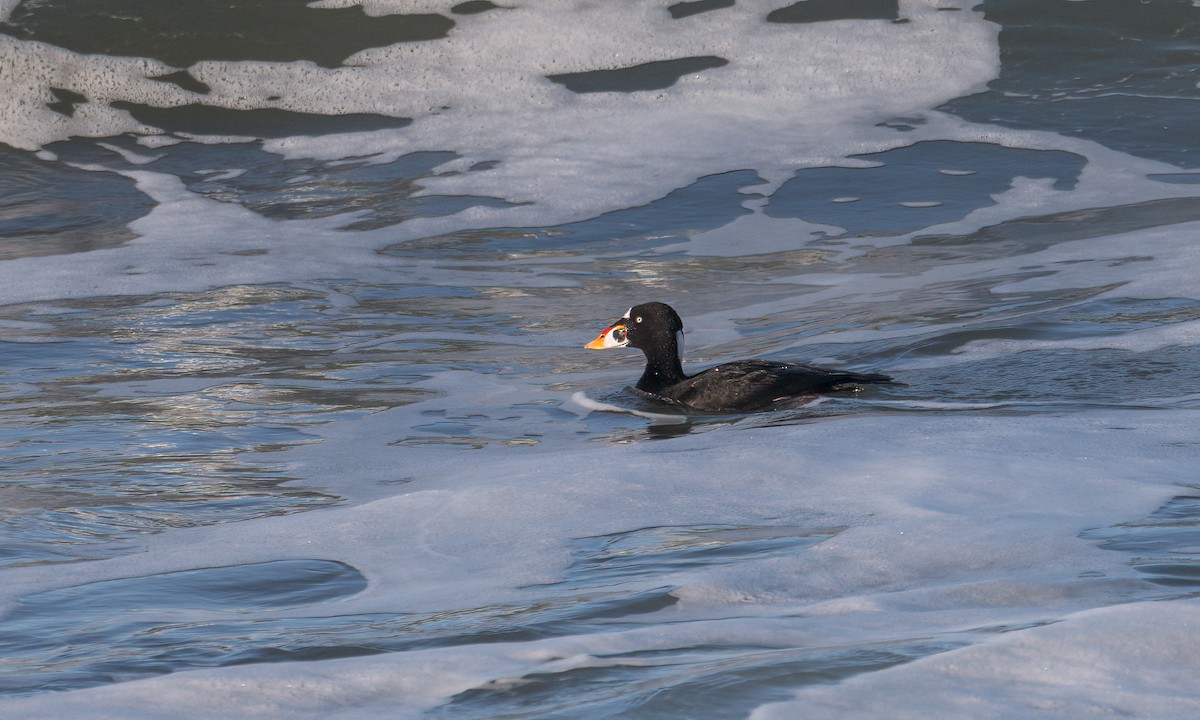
(952, 524)
(1035, 673)
(591, 405)
(482, 93)
(574, 156)
(625, 149)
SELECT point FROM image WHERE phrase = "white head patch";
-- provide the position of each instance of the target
(616, 337)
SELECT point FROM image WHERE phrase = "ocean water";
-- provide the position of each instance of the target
(297, 422)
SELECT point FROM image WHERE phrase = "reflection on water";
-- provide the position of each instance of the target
(1069, 66)
(49, 209)
(1165, 545)
(917, 186)
(707, 681)
(373, 194)
(153, 624)
(149, 625)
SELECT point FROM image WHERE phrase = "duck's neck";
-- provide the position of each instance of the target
(663, 367)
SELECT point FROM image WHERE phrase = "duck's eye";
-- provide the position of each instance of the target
(639, 318)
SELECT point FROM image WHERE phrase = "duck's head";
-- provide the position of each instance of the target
(651, 327)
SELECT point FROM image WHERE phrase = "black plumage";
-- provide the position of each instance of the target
(657, 330)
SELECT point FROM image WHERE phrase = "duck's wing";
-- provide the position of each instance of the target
(755, 384)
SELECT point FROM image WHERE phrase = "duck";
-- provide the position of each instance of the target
(740, 386)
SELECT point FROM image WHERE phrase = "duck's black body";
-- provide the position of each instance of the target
(744, 385)
(754, 385)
